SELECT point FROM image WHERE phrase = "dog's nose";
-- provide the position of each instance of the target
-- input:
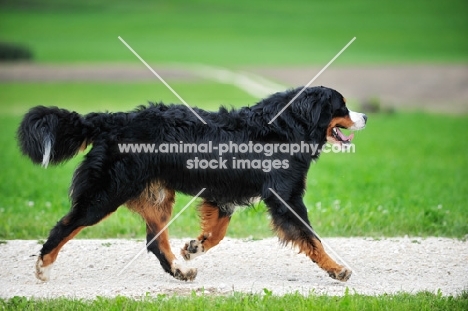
(364, 117)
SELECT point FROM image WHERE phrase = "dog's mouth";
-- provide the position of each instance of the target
(336, 137)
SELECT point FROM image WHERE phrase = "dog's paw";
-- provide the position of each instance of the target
(42, 273)
(192, 249)
(184, 274)
(342, 275)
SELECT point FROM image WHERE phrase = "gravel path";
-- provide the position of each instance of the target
(436, 88)
(88, 268)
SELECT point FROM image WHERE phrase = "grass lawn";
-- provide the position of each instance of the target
(422, 301)
(408, 175)
(239, 32)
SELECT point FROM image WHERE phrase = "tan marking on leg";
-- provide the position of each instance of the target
(155, 206)
(44, 262)
(213, 231)
(213, 227)
(52, 256)
(313, 248)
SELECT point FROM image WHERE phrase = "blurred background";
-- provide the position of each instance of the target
(407, 53)
(408, 68)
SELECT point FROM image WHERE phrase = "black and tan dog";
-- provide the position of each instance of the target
(147, 182)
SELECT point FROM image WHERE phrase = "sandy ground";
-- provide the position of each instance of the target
(90, 268)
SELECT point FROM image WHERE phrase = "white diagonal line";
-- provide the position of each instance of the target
(313, 79)
(311, 230)
(161, 79)
(161, 231)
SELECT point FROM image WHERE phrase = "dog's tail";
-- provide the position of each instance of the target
(52, 135)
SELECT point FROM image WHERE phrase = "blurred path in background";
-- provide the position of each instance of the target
(434, 88)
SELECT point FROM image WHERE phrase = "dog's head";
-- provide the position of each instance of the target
(319, 113)
(324, 113)
(343, 118)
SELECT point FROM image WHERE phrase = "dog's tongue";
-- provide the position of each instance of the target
(343, 137)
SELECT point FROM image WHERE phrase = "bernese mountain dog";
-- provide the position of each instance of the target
(146, 182)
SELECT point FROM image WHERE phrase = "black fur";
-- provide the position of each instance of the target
(124, 175)
(107, 178)
(65, 130)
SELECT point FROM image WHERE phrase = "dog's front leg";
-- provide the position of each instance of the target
(214, 224)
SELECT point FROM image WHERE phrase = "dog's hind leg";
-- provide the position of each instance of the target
(68, 227)
(292, 230)
(214, 223)
(155, 206)
(98, 189)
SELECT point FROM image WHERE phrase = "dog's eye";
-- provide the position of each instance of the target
(341, 112)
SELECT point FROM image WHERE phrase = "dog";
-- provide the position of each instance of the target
(146, 182)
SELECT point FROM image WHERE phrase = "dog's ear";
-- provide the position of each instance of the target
(313, 107)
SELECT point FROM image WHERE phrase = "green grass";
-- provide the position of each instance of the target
(422, 301)
(17, 98)
(408, 175)
(239, 32)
